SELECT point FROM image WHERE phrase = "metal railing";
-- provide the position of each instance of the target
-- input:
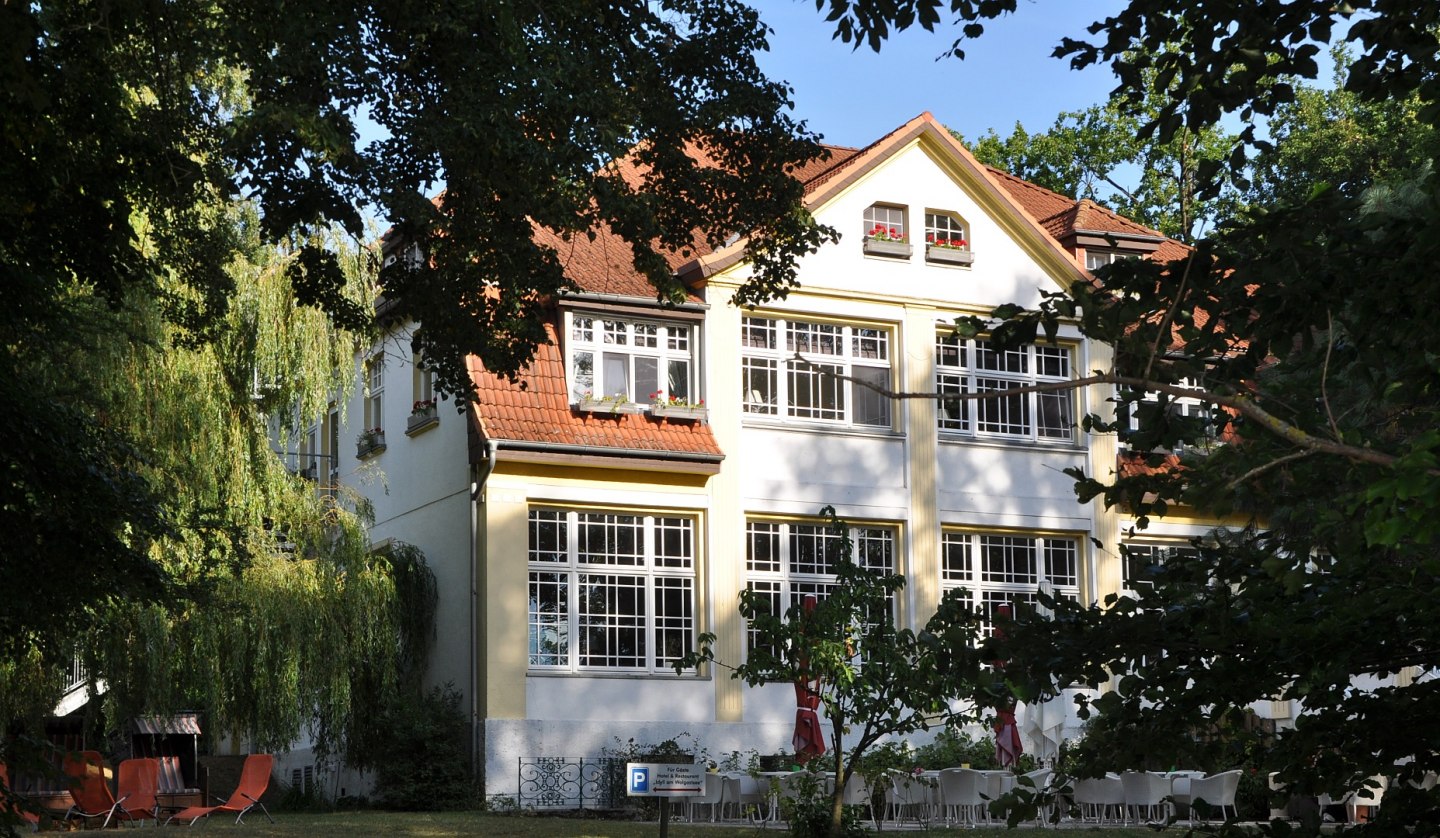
(571, 783)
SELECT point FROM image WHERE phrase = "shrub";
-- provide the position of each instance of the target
(423, 762)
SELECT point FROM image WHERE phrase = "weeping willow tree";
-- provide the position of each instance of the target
(273, 616)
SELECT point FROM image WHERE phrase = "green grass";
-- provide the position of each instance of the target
(428, 824)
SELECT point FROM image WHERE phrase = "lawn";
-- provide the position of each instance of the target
(425, 824)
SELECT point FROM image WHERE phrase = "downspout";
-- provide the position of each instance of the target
(479, 475)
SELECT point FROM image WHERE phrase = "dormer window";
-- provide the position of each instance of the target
(1100, 258)
(630, 360)
(885, 231)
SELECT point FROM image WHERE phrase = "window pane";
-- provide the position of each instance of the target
(757, 333)
(1056, 415)
(615, 375)
(610, 539)
(813, 549)
(1007, 559)
(677, 381)
(954, 414)
(955, 558)
(647, 378)
(1001, 414)
(674, 542)
(871, 407)
(674, 619)
(582, 373)
(1061, 561)
(763, 548)
(816, 393)
(548, 541)
(760, 385)
(549, 620)
(612, 620)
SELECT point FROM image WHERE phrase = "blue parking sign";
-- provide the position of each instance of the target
(639, 779)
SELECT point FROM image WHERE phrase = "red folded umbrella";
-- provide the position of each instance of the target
(809, 741)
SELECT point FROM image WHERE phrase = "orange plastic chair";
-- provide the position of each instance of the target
(254, 780)
(88, 787)
(7, 803)
(138, 782)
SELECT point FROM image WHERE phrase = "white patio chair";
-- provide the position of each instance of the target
(960, 795)
(858, 792)
(1146, 796)
(1038, 782)
(909, 796)
(714, 797)
(1099, 797)
(1217, 792)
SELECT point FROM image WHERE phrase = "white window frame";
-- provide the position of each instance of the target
(972, 366)
(375, 392)
(889, 216)
(600, 344)
(790, 560)
(991, 567)
(657, 570)
(946, 226)
(775, 387)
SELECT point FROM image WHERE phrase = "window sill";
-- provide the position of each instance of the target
(607, 406)
(949, 256)
(888, 249)
(1074, 446)
(772, 423)
(631, 674)
(418, 423)
(681, 414)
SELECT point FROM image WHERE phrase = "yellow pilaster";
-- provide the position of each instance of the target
(726, 560)
(504, 639)
(1105, 568)
(923, 575)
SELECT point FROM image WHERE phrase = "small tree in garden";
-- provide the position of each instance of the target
(874, 680)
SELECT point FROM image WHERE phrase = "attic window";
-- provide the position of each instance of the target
(885, 232)
(947, 239)
(885, 222)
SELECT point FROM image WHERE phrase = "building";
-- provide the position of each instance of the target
(583, 536)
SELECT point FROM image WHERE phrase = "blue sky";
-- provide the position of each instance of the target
(853, 97)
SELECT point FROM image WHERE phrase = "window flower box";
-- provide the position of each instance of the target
(888, 248)
(423, 416)
(683, 413)
(370, 442)
(887, 241)
(615, 405)
(942, 255)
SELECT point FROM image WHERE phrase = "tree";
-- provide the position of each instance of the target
(873, 679)
(133, 131)
(1306, 323)
(1098, 153)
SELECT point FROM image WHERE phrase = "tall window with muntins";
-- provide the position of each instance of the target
(1142, 560)
(375, 392)
(786, 562)
(610, 591)
(633, 359)
(774, 385)
(993, 568)
(944, 227)
(975, 366)
(890, 219)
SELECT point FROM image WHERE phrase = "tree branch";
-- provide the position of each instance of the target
(1244, 405)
